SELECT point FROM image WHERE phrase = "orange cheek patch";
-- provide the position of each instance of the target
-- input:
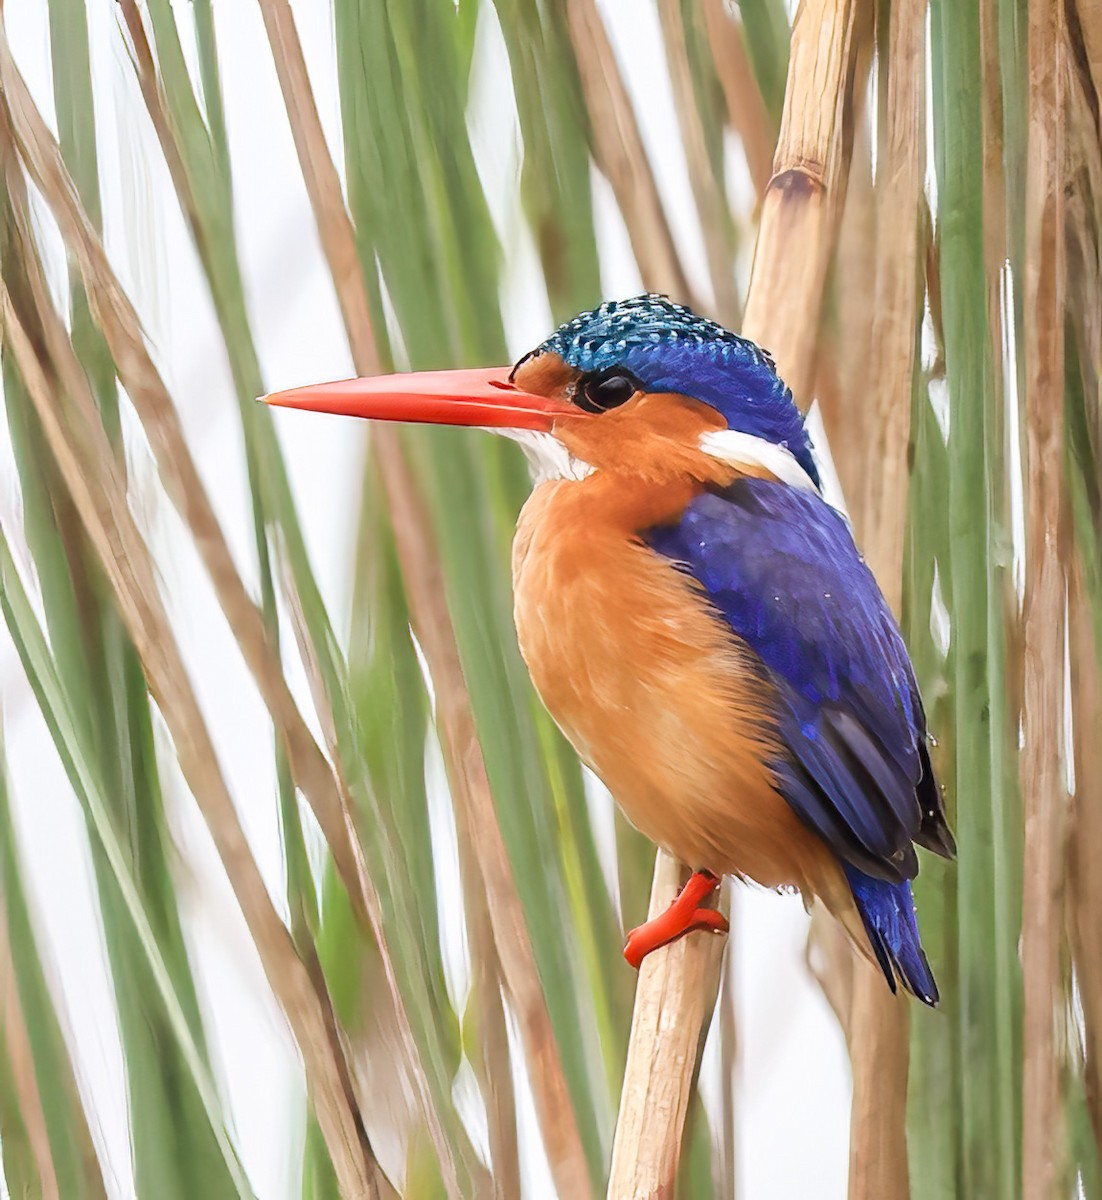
(654, 438)
(670, 414)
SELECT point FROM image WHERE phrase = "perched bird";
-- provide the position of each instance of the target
(697, 618)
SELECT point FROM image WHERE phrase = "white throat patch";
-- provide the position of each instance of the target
(547, 456)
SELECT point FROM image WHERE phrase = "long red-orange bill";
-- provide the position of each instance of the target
(482, 397)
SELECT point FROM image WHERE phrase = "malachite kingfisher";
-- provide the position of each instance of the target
(697, 618)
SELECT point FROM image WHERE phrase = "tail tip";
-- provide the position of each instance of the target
(888, 912)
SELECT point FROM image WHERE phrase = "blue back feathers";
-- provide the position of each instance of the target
(668, 348)
(780, 566)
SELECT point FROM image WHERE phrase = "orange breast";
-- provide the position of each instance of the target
(652, 688)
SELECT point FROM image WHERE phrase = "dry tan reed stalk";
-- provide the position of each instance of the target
(88, 466)
(1090, 26)
(845, 339)
(482, 847)
(878, 1022)
(121, 328)
(882, 501)
(674, 1000)
(802, 201)
(995, 244)
(1043, 608)
(851, 276)
(746, 111)
(620, 153)
(1083, 216)
(877, 1036)
(1085, 834)
(711, 201)
(679, 980)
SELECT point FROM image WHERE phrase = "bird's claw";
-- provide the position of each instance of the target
(683, 916)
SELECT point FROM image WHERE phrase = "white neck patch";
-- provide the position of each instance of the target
(744, 450)
(547, 456)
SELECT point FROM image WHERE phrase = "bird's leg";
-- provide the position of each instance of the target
(683, 915)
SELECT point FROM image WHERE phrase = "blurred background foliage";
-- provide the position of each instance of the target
(941, 269)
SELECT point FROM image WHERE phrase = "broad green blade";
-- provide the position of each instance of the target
(988, 815)
(936, 1066)
(766, 28)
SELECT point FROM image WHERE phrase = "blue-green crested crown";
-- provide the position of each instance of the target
(669, 348)
(598, 339)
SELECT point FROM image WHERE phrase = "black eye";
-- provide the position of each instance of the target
(599, 393)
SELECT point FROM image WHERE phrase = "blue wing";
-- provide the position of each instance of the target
(781, 566)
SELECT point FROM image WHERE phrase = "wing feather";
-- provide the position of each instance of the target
(781, 567)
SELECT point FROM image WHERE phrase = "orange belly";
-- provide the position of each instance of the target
(655, 693)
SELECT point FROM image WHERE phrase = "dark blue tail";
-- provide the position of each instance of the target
(888, 911)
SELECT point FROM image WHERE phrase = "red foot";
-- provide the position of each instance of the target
(682, 916)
